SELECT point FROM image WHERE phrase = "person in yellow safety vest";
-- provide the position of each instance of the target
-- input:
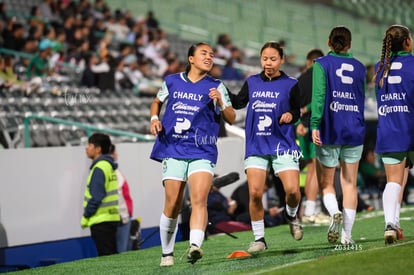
(100, 203)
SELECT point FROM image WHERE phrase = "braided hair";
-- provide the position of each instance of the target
(393, 42)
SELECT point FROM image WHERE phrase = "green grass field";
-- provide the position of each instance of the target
(312, 255)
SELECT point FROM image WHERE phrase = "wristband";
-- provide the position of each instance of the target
(154, 117)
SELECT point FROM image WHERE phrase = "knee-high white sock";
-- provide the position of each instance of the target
(258, 229)
(310, 208)
(196, 237)
(168, 231)
(397, 214)
(390, 200)
(331, 204)
(348, 222)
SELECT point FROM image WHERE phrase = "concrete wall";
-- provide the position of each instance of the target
(41, 189)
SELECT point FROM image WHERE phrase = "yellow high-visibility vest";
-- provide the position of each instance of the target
(108, 211)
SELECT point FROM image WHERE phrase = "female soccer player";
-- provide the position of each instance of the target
(274, 106)
(338, 128)
(186, 145)
(394, 80)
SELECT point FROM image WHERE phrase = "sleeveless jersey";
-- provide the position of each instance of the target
(343, 116)
(268, 100)
(395, 105)
(191, 119)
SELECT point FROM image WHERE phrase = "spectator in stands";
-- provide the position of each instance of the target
(153, 51)
(60, 43)
(125, 50)
(139, 45)
(39, 64)
(136, 75)
(130, 20)
(89, 78)
(46, 11)
(224, 46)
(205, 100)
(100, 6)
(117, 26)
(81, 51)
(101, 210)
(126, 77)
(35, 18)
(230, 72)
(68, 7)
(7, 31)
(35, 33)
(78, 37)
(105, 73)
(49, 33)
(174, 66)
(17, 39)
(273, 100)
(8, 77)
(162, 45)
(125, 204)
(338, 132)
(69, 29)
(151, 22)
(3, 12)
(98, 28)
(395, 101)
(216, 71)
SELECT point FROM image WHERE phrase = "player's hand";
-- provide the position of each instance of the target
(286, 118)
(156, 127)
(215, 95)
(316, 138)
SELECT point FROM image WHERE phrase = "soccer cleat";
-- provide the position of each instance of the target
(400, 234)
(390, 234)
(295, 228)
(321, 218)
(347, 241)
(308, 219)
(257, 246)
(167, 261)
(194, 254)
(334, 227)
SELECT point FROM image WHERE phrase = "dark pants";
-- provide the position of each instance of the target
(104, 235)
